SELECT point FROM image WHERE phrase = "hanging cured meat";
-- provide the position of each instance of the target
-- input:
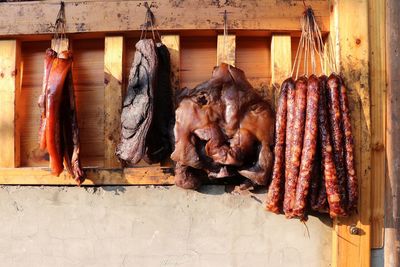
(59, 132)
(147, 111)
(223, 128)
(314, 160)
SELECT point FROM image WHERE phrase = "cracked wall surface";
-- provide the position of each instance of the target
(152, 226)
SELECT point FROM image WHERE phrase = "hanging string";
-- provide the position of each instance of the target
(149, 24)
(59, 32)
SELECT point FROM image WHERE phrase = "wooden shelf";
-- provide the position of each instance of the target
(95, 176)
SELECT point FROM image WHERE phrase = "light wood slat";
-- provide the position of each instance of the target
(392, 192)
(116, 16)
(226, 49)
(9, 87)
(113, 64)
(352, 52)
(281, 62)
(377, 56)
(95, 176)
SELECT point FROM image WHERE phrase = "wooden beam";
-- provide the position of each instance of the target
(95, 176)
(352, 49)
(392, 191)
(226, 49)
(281, 62)
(9, 85)
(116, 16)
(113, 65)
(173, 44)
(377, 56)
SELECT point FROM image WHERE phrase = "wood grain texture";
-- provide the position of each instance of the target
(253, 56)
(352, 49)
(377, 55)
(114, 16)
(88, 75)
(113, 64)
(281, 62)
(198, 55)
(174, 47)
(226, 48)
(9, 87)
(95, 176)
(392, 188)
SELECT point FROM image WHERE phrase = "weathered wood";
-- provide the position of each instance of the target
(95, 176)
(226, 49)
(377, 56)
(10, 70)
(352, 52)
(113, 64)
(281, 62)
(112, 16)
(392, 189)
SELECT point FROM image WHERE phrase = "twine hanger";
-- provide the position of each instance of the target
(59, 26)
(149, 23)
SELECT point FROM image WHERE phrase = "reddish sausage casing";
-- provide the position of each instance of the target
(276, 188)
(296, 144)
(309, 147)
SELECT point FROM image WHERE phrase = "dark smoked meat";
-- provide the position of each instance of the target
(296, 147)
(335, 118)
(332, 185)
(309, 147)
(276, 188)
(233, 126)
(352, 183)
(159, 139)
(137, 110)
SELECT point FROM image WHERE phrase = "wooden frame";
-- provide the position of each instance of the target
(280, 19)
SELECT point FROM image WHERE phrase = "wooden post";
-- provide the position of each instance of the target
(377, 56)
(281, 62)
(352, 49)
(392, 210)
(113, 65)
(9, 85)
(173, 44)
(226, 47)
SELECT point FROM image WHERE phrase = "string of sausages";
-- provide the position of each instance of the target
(314, 148)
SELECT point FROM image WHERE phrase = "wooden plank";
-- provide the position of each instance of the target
(9, 85)
(281, 62)
(116, 16)
(173, 44)
(226, 49)
(352, 52)
(253, 56)
(377, 56)
(392, 189)
(198, 56)
(95, 176)
(113, 65)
